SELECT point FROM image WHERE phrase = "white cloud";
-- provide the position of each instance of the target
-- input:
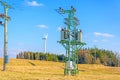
(42, 26)
(34, 3)
(20, 44)
(59, 28)
(12, 52)
(104, 40)
(103, 34)
(95, 40)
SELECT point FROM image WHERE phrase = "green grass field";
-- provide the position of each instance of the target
(19, 69)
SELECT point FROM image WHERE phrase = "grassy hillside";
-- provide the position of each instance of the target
(18, 69)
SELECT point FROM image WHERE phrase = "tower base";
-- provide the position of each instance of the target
(72, 72)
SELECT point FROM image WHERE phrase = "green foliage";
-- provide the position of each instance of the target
(61, 58)
(85, 56)
(37, 56)
(51, 57)
(89, 59)
(98, 56)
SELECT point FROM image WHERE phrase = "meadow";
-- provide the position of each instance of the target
(21, 69)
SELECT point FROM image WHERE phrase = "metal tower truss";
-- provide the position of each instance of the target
(71, 39)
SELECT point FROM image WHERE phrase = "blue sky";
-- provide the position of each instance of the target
(31, 19)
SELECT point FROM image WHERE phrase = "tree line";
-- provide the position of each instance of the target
(98, 56)
(85, 56)
(40, 56)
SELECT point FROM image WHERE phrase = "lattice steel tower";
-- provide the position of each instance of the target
(71, 39)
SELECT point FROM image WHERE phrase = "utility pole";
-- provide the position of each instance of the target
(71, 39)
(6, 18)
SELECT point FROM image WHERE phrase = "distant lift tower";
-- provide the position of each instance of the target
(45, 42)
(71, 39)
(6, 19)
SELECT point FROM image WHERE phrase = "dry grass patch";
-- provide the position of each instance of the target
(18, 69)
